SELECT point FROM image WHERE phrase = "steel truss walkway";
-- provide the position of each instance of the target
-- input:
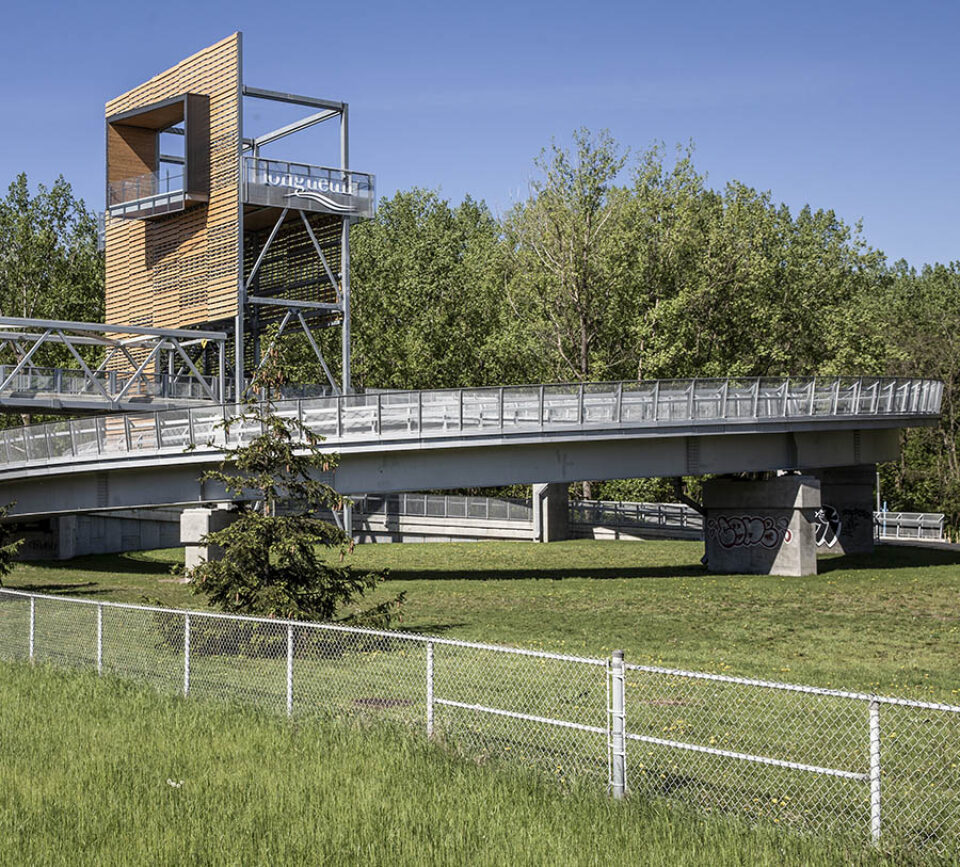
(140, 366)
(443, 439)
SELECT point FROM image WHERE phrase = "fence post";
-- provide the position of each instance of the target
(99, 639)
(33, 623)
(616, 727)
(429, 689)
(290, 669)
(186, 654)
(875, 771)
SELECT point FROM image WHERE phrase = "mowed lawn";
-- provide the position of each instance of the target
(101, 772)
(888, 622)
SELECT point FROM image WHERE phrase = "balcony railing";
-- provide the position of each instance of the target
(144, 195)
(281, 184)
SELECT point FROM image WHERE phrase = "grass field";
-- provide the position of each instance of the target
(888, 622)
(99, 772)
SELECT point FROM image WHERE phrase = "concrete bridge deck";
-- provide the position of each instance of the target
(443, 439)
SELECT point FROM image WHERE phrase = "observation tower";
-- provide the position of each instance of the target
(204, 231)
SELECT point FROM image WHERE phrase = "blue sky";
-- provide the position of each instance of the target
(847, 105)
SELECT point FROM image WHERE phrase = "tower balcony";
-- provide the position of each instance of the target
(149, 195)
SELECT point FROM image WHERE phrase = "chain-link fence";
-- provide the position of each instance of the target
(871, 767)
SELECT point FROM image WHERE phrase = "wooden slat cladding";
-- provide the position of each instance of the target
(182, 269)
(133, 152)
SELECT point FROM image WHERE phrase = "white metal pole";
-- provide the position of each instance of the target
(99, 639)
(33, 623)
(186, 654)
(875, 771)
(290, 670)
(618, 753)
(429, 689)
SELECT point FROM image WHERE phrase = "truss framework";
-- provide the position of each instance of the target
(299, 312)
(137, 362)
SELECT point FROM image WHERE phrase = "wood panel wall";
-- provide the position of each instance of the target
(182, 269)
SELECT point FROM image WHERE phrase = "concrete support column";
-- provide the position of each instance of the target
(761, 528)
(845, 518)
(195, 524)
(551, 512)
(65, 533)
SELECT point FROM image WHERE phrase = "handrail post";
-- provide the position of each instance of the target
(429, 689)
(617, 727)
(875, 801)
(656, 400)
(540, 406)
(619, 418)
(500, 410)
(580, 404)
(461, 412)
(690, 398)
(857, 388)
(756, 397)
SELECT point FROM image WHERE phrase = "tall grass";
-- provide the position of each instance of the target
(98, 771)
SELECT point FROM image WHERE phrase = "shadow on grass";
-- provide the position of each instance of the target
(547, 574)
(84, 588)
(117, 564)
(889, 557)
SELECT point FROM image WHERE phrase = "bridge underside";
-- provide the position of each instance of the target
(159, 481)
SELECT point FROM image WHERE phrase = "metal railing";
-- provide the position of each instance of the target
(909, 525)
(491, 412)
(445, 506)
(144, 186)
(55, 381)
(870, 767)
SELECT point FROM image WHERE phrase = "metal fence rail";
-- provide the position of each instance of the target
(909, 525)
(482, 412)
(880, 769)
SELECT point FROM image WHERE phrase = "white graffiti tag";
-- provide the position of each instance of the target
(748, 531)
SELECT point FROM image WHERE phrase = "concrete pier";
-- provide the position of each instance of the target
(761, 527)
(845, 518)
(551, 512)
(195, 524)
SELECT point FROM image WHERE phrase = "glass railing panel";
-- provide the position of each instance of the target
(637, 400)
(708, 399)
(319, 415)
(59, 442)
(359, 416)
(86, 436)
(600, 403)
(561, 404)
(440, 411)
(399, 413)
(521, 406)
(481, 409)
(143, 187)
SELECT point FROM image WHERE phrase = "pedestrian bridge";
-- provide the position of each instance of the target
(452, 438)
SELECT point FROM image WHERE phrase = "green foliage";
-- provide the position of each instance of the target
(272, 563)
(49, 264)
(9, 546)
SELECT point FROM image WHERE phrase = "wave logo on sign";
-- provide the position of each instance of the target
(327, 202)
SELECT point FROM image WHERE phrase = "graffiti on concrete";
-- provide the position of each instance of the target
(748, 531)
(829, 525)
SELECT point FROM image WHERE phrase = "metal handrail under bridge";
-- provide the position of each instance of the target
(473, 416)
